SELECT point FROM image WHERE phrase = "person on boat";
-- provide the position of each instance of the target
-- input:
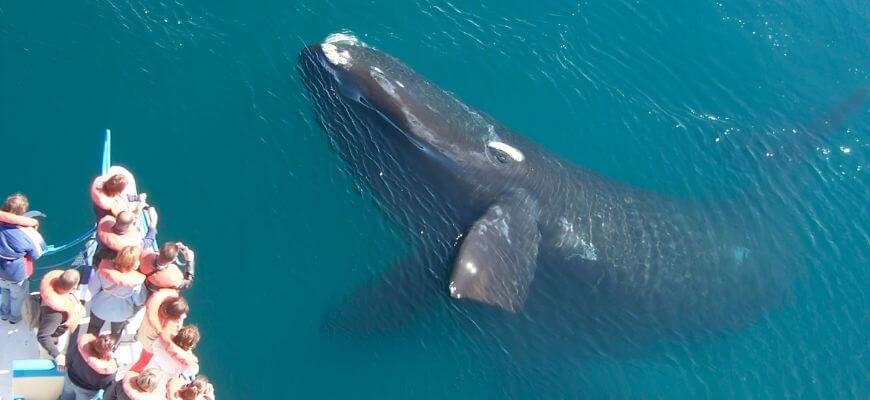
(60, 311)
(90, 366)
(175, 357)
(117, 292)
(19, 247)
(115, 233)
(199, 389)
(151, 384)
(20, 220)
(165, 312)
(162, 270)
(107, 193)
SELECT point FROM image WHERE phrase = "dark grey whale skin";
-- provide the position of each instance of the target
(608, 257)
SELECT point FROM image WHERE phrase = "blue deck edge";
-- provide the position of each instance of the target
(34, 369)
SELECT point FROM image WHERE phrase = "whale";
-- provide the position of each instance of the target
(499, 226)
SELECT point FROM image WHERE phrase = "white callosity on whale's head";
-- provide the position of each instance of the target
(331, 50)
(334, 55)
(511, 151)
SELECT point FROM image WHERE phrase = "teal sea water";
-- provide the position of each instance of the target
(753, 108)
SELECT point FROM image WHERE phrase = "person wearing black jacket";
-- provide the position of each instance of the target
(60, 310)
(90, 366)
(150, 384)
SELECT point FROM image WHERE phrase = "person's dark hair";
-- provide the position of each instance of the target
(67, 281)
(103, 346)
(149, 379)
(168, 253)
(194, 389)
(115, 185)
(16, 203)
(187, 337)
(174, 307)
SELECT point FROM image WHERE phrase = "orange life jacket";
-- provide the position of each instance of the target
(67, 302)
(135, 393)
(165, 327)
(99, 365)
(183, 357)
(113, 241)
(112, 204)
(174, 386)
(20, 220)
(122, 279)
(170, 277)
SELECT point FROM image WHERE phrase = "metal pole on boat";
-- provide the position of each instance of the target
(107, 152)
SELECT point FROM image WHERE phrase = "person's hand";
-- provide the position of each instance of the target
(60, 361)
(152, 217)
(209, 392)
(143, 198)
(187, 251)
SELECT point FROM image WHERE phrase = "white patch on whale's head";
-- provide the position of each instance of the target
(342, 38)
(331, 50)
(511, 151)
(335, 56)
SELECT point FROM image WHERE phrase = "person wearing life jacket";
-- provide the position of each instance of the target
(117, 291)
(199, 389)
(175, 357)
(20, 220)
(60, 311)
(90, 366)
(151, 384)
(19, 247)
(165, 312)
(107, 193)
(162, 271)
(115, 233)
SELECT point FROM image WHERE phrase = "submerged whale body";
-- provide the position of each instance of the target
(511, 231)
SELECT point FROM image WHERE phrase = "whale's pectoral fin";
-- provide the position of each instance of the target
(497, 260)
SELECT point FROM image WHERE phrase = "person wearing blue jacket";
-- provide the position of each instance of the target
(19, 247)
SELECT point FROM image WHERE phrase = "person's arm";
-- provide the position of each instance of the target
(49, 322)
(106, 381)
(151, 235)
(190, 256)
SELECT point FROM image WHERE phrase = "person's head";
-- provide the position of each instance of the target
(124, 221)
(16, 203)
(115, 185)
(194, 389)
(149, 380)
(168, 253)
(127, 259)
(187, 337)
(103, 346)
(67, 281)
(175, 308)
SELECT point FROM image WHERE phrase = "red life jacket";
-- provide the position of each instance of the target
(67, 303)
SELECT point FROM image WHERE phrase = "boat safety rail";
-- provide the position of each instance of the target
(57, 249)
(64, 263)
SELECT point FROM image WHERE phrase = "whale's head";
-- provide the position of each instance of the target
(429, 126)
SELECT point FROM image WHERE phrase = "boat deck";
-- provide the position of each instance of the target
(19, 343)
